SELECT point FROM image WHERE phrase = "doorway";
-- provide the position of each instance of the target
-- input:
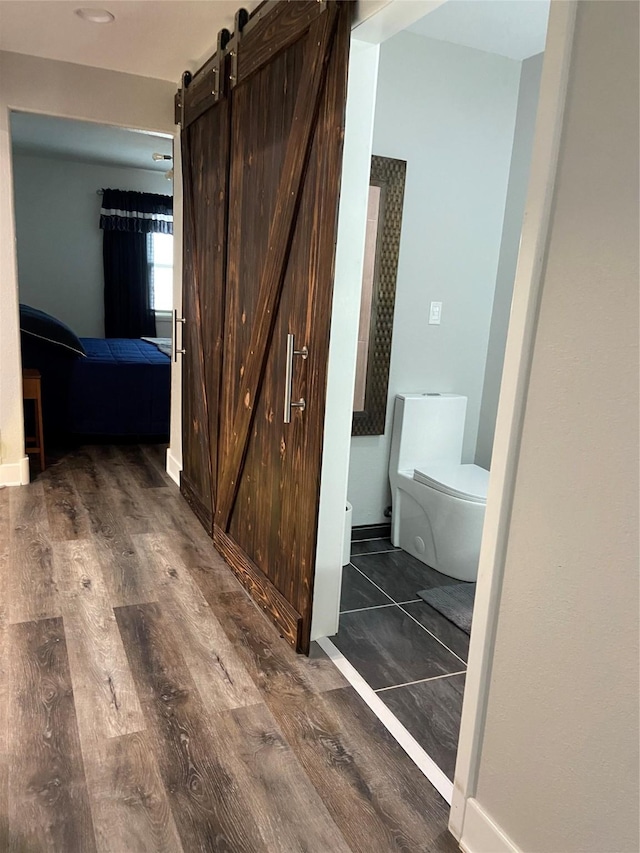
(372, 579)
(93, 211)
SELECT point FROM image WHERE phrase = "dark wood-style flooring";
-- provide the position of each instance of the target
(147, 705)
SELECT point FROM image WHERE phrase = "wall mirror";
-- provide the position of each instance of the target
(382, 248)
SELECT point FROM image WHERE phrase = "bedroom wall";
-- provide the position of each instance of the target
(450, 112)
(59, 241)
(55, 88)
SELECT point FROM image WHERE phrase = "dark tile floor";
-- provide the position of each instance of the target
(412, 656)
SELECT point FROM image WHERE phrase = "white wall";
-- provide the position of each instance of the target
(528, 92)
(57, 212)
(450, 112)
(55, 88)
(559, 757)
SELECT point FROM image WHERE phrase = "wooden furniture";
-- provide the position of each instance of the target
(32, 390)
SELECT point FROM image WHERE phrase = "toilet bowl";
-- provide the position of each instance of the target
(438, 502)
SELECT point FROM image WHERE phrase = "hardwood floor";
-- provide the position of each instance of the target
(146, 704)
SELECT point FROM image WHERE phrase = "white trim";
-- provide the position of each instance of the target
(482, 835)
(513, 394)
(345, 313)
(173, 467)
(420, 681)
(15, 473)
(416, 753)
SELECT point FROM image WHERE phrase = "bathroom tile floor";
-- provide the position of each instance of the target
(412, 656)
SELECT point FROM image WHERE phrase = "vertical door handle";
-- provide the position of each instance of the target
(176, 320)
(288, 380)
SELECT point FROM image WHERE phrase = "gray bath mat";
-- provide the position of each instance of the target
(454, 602)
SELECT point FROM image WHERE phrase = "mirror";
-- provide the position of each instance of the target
(382, 248)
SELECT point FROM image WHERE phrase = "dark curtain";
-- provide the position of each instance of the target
(126, 219)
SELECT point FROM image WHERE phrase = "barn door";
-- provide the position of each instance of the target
(287, 75)
(203, 112)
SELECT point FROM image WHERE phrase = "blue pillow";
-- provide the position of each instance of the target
(47, 328)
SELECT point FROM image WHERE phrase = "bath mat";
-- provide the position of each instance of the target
(454, 602)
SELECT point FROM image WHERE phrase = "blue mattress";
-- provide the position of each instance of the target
(121, 388)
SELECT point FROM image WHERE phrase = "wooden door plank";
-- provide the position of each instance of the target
(99, 669)
(275, 513)
(273, 28)
(197, 464)
(220, 676)
(310, 88)
(199, 772)
(48, 801)
(205, 161)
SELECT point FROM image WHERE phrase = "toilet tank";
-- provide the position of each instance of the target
(427, 428)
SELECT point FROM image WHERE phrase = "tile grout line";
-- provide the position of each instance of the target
(362, 609)
(372, 553)
(423, 761)
(379, 606)
(431, 634)
(371, 539)
(374, 583)
(420, 681)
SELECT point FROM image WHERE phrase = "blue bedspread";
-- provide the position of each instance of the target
(121, 388)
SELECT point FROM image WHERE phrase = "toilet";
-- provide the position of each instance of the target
(438, 503)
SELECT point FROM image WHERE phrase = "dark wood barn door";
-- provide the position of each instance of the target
(205, 153)
(287, 72)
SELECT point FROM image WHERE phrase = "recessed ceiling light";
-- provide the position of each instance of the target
(96, 16)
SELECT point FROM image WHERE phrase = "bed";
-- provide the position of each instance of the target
(100, 387)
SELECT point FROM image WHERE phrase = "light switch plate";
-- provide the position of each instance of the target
(435, 313)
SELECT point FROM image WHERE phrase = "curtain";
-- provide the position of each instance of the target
(126, 219)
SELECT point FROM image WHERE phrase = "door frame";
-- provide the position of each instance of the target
(386, 21)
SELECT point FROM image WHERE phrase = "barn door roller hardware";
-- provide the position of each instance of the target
(240, 22)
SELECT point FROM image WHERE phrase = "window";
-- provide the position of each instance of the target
(161, 278)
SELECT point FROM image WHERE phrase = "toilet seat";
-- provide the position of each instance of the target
(468, 482)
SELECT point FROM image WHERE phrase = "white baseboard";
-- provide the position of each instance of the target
(480, 834)
(15, 473)
(173, 467)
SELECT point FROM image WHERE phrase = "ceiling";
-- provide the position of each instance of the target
(516, 29)
(162, 38)
(87, 142)
(151, 38)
